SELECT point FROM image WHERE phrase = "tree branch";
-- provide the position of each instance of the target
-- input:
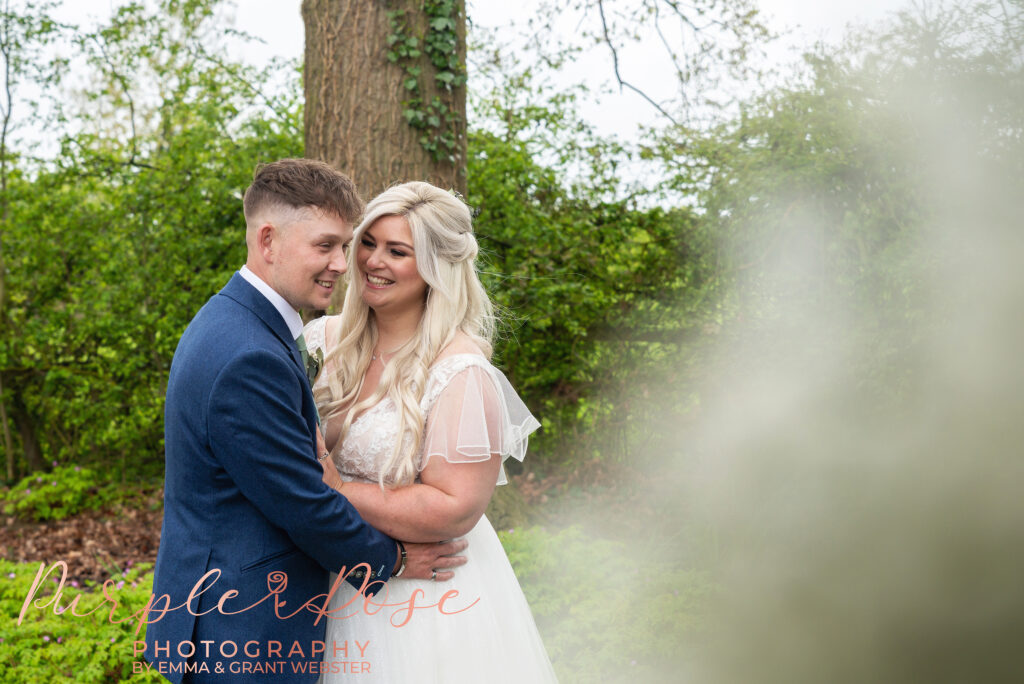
(686, 20)
(127, 93)
(668, 48)
(233, 73)
(618, 75)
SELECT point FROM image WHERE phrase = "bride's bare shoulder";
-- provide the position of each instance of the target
(461, 344)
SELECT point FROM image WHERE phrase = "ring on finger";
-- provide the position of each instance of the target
(433, 575)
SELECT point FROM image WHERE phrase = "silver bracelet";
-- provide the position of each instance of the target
(401, 568)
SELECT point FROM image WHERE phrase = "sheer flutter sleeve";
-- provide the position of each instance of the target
(474, 412)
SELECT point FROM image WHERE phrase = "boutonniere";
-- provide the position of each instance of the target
(314, 363)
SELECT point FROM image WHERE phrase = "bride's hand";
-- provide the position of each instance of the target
(331, 477)
(321, 445)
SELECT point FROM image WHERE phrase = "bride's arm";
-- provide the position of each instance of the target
(447, 502)
(450, 496)
(453, 496)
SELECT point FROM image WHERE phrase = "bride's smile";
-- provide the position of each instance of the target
(378, 282)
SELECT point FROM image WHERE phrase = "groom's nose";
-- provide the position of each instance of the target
(338, 262)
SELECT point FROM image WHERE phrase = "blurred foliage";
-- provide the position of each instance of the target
(604, 618)
(821, 192)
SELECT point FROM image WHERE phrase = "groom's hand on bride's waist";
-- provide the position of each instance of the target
(435, 561)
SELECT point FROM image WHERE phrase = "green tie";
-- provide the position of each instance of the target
(312, 364)
(301, 342)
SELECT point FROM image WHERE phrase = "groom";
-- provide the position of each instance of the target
(244, 497)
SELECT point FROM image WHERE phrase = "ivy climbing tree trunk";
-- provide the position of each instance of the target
(385, 90)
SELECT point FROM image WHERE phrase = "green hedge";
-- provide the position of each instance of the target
(47, 647)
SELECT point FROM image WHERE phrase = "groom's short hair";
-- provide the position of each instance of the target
(299, 183)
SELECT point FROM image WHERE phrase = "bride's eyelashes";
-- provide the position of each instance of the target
(370, 244)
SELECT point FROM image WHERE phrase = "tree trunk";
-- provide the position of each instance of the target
(29, 441)
(5, 427)
(359, 103)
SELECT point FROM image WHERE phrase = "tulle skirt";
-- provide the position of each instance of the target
(488, 634)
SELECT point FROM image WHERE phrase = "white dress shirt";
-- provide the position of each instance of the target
(291, 316)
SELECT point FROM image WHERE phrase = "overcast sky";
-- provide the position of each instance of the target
(278, 22)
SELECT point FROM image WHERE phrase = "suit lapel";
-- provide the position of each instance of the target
(248, 296)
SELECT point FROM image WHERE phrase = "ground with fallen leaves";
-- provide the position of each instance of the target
(96, 545)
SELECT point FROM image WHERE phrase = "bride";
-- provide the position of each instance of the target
(418, 422)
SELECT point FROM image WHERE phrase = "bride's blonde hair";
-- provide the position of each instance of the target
(445, 251)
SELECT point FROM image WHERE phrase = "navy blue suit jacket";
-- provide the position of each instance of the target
(244, 494)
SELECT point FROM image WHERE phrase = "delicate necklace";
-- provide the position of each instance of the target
(380, 354)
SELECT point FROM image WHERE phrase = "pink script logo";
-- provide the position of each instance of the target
(277, 582)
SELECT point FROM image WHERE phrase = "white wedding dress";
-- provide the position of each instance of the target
(471, 412)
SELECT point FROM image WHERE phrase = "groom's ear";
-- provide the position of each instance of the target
(266, 235)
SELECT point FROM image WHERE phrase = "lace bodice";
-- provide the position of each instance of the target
(471, 412)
